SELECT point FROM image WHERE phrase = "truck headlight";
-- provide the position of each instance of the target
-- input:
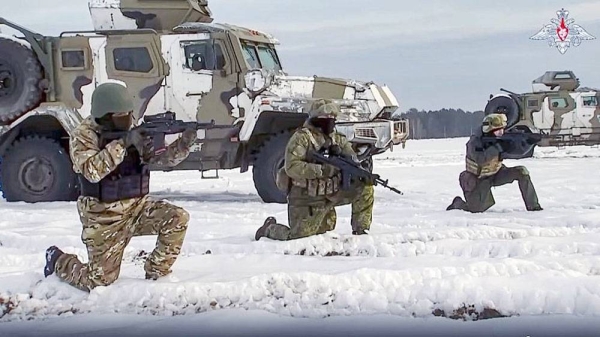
(257, 80)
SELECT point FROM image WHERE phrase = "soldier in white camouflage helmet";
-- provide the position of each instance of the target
(114, 206)
(484, 170)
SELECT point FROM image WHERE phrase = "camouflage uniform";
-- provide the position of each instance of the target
(484, 170)
(109, 226)
(314, 189)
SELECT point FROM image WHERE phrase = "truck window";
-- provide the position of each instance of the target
(134, 59)
(260, 56)
(532, 103)
(203, 55)
(558, 102)
(562, 76)
(73, 59)
(220, 56)
(268, 58)
(590, 101)
(251, 56)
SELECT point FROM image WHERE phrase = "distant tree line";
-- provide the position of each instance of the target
(445, 123)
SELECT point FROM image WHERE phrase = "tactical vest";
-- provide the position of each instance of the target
(314, 187)
(131, 179)
(487, 169)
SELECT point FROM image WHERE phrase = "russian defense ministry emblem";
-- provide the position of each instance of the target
(562, 33)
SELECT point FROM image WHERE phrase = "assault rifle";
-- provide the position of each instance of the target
(156, 127)
(350, 169)
(515, 144)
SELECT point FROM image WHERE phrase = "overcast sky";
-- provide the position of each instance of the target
(432, 53)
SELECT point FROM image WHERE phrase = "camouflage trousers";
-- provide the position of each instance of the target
(108, 229)
(317, 217)
(478, 192)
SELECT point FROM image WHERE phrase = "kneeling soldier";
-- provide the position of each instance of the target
(313, 190)
(114, 206)
(484, 169)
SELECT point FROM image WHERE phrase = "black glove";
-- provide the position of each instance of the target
(335, 150)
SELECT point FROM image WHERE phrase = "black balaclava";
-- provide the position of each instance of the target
(117, 123)
(326, 125)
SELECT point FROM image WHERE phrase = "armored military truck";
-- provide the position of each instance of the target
(557, 108)
(172, 57)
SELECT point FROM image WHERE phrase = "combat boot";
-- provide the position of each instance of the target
(457, 203)
(535, 208)
(52, 255)
(359, 232)
(155, 276)
(262, 231)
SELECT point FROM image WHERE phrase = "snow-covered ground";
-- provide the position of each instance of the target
(540, 268)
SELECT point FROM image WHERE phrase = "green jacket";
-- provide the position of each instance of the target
(296, 165)
(307, 177)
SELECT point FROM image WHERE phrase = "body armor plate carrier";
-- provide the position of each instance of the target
(131, 179)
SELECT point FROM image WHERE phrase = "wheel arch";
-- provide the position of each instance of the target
(42, 125)
(272, 123)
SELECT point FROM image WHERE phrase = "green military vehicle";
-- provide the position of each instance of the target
(172, 57)
(557, 108)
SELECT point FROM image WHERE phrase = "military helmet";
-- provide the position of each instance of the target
(494, 122)
(323, 107)
(110, 98)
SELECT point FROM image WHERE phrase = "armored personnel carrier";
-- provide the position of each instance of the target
(172, 57)
(557, 108)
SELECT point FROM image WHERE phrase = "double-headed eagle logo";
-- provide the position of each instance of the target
(562, 32)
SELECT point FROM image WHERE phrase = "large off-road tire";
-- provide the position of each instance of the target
(38, 169)
(20, 76)
(508, 104)
(264, 169)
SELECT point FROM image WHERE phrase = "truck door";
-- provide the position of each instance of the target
(563, 107)
(136, 59)
(200, 85)
(586, 111)
(73, 64)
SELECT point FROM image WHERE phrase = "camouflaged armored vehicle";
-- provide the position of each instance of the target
(557, 108)
(172, 57)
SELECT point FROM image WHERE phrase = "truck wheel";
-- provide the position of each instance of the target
(20, 75)
(38, 169)
(508, 104)
(265, 166)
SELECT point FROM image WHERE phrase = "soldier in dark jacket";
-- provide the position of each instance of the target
(484, 169)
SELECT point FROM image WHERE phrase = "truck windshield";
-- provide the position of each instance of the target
(202, 55)
(260, 56)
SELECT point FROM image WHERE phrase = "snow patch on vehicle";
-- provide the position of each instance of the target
(104, 3)
(16, 39)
